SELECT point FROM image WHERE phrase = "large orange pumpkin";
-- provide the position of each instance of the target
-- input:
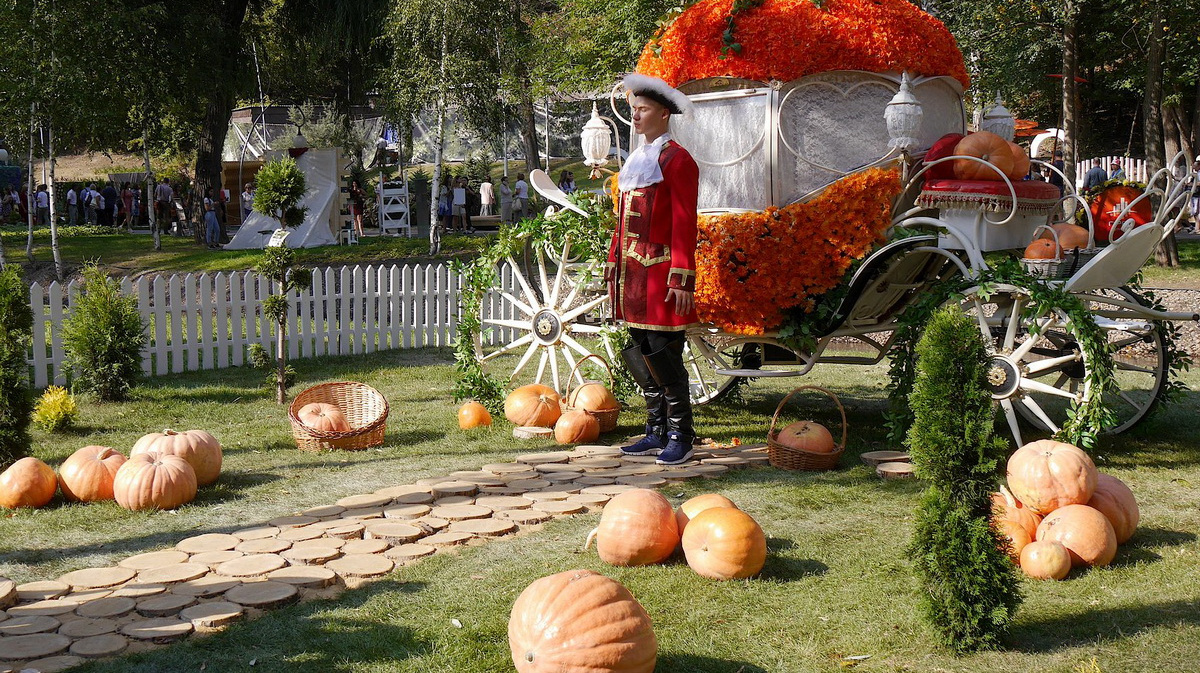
(87, 475)
(579, 621)
(1108, 205)
(637, 528)
(200, 449)
(1045, 560)
(1070, 236)
(1115, 501)
(688, 510)
(534, 404)
(724, 543)
(1084, 531)
(154, 481)
(1020, 162)
(1043, 249)
(807, 436)
(576, 427)
(324, 417)
(592, 396)
(1016, 535)
(31, 483)
(1007, 507)
(473, 415)
(1046, 475)
(987, 146)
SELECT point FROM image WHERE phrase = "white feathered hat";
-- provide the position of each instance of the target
(656, 89)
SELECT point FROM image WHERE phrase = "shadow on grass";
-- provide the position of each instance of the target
(691, 663)
(1087, 628)
(1138, 549)
(780, 569)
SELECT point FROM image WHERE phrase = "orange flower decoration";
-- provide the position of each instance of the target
(752, 267)
(785, 40)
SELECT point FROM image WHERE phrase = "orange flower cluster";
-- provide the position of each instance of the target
(785, 40)
(752, 267)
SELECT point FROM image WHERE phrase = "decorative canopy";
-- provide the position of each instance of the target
(785, 40)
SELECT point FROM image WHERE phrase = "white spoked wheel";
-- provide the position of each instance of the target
(704, 354)
(550, 315)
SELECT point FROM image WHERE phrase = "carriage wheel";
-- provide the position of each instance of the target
(550, 316)
(703, 355)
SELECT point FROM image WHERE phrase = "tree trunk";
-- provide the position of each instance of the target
(1070, 89)
(148, 203)
(30, 205)
(528, 120)
(58, 265)
(1167, 253)
(435, 240)
(280, 363)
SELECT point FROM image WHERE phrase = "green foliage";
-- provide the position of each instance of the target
(16, 329)
(55, 410)
(260, 359)
(276, 264)
(104, 338)
(279, 186)
(971, 590)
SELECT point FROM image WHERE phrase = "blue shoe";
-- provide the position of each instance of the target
(650, 445)
(678, 450)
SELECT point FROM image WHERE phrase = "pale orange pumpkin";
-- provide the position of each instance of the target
(698, 504)
(1020, 162)
(1007, 507)
(987, 146)
(724, 543)
(473, 415)
(1084, 531)
(1016, 535)
(1115, 501)
(200, 449)
(636, 528)
(1046, 475)
(324, 417)
(87, 475)
(807, 436)
(151, 480)
(533, 405)
(576, 427)
(1045, 560)
(1043, 249)
(592, 396)
(579, 621)
(31, 483)
(1070, 236)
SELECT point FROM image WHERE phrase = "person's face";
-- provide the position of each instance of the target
(649, 117)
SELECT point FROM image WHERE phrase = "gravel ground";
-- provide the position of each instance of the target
(1184, 300)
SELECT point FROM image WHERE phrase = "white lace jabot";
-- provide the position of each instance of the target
(642, 169)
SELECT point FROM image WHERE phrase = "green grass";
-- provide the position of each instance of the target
(1187, 274)
(836, 582)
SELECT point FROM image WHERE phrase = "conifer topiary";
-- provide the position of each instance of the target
(16, 402)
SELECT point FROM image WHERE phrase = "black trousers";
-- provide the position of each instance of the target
(652, 341)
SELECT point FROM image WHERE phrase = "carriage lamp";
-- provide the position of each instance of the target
(596, 140)
(1000, 121)
(903, 117)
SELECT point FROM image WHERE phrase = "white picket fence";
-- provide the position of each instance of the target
(1135, 169)
(209, 321)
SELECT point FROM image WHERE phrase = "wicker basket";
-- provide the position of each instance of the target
(788, 458)
(607, 418)
(365, 409)
(1058, 269)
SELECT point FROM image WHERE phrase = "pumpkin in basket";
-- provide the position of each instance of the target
(473, 415)
(533, 405)
(592, 396)
(637, 528)
(1070, 236)
(87, 476)
(31, 483)
(1043, 248)
(807, 436)
(324, 417)
(724, 543)
(576, 427)
(200, 449)
(987, 146)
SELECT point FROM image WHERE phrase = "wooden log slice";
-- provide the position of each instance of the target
(431, 524)
(461, 512)
(87, 595)
(395, 533)
(394, 492)
(558, 507)
(403, 512)
(614, 489)
(875, 458)
(111, 607)
(326, 542)
(256, 533)
(421, 498)
(25, 625)
(263, 595)
(160, 630)
(757, 459)
(178, 572)
(86, 628)
(594, 480)
(361, 565)
(312, 555)
(592, 501)
(597, 450)
(597, 463)
(547, 468)
(728, 461)
(346, 531)
(301, 533)
(500, 490)
(509, 478)
(8, 592)
(153, 559)
(206, 587)
(529, 484)
(365, 500)
(324, 511)
(543, 458)
(451, 488)
(33, 646)
(50, 607)
(208, 542)
(41, 590)
(255, 565)
(454, 500)
(164, 605)
(292, 521)
(409, 552)
(499, 503)
(532, 432)
(709, 471)
(479, 478)
(305, 577)
(447, 539)
(525, 517)
(561, 477)
(54, 664)
(646, 468)
(433, 481)
(365, 546)
(679, 474)
(104, 645)
(642, 481)
(212, 559)
(362, 513)
(560, 492)
(638, 460)
(213, 614)
(895, 470)
(138, 589)
(268, 545)
(484, 527)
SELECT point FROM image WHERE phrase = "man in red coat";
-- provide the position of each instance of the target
(652, 267)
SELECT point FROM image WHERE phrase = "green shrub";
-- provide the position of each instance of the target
(279, 185)
(104, 338)
(55, 410)
(971, 590)
(16, 403)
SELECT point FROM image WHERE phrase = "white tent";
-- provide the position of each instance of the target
(322, 200)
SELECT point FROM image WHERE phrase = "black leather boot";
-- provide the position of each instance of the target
(656, 406)
(667, 367)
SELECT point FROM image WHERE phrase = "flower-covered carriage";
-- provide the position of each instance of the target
(833, 220)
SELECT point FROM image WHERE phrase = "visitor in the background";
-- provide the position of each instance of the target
(358, 199)
(564, 182)
(212, 228)
(162, 203)
(72, 206)
(570, 182)
(487, 196)
(1116, 172)
(459, 205)
(444, 211)
(95, 204)
(521, 196)
(42, 201)
(506, 201)
(1095, 176)
(127, 205)
(111, 197)
(1056, 177)
(222, 213)
(135, 210)
(8, 202)
(247, 200)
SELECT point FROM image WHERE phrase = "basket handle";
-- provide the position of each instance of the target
(612, 381)
(841, 409)
(1053, 234)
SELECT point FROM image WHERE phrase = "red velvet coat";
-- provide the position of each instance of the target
(654, 246)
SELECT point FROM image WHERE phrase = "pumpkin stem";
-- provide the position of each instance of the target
(168, 432)
(1008, 496)
(108, 451)
(591, 536)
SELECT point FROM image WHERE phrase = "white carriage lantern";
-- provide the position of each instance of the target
(596, 140)
(903, 116)
(1000, 121)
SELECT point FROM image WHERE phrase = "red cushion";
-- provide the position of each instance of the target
(1026, 189)
(944, 147)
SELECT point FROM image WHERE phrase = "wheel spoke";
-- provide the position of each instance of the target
(533, 347)
(562, 271)
(1121, 343)
(1041, 415)
(501, 351)
(1014, 321)
(541, 366)
(983, 326)
(514, 324)
(1130, 367)
(1021, 351)
(1129, 400)
(553, 350)
(528, 310)
(571, 366)
(1045, 366)
(575, 346)
(534, 303)
(541, 260)
(585, 329)
(1010, 414)
(1029, 385)
(582, 308)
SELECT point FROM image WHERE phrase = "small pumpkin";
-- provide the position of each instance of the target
(1070, 236)
(636, 528)
(724, 543)
(150, 480)
(324, 417)
(807, 436)
(533, 405)
(579, 621)
(1016, 535)
(473, 415)
(688, 510)
(1115, 501)
(987, 146)
(87, 475)
(576, 427)
(1020, 162)
(200, 449)
(31, 483)
(1046, 475)
(1043, 249)
(592, 396)
(1084, 531)
(1045, 560)
(1007, 507)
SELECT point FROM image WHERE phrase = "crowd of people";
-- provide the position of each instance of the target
(457, 201)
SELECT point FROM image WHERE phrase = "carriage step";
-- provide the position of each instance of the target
(755, 373)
